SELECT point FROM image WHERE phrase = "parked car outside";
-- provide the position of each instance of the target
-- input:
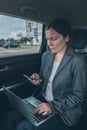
(11, 45)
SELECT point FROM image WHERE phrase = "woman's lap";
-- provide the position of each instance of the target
(53, 123)
(15, 121)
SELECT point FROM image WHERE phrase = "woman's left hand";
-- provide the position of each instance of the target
(43, 109)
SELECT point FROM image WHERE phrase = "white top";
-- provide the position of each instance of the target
(48, 94)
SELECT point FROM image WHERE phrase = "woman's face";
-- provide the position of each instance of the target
(55, 40)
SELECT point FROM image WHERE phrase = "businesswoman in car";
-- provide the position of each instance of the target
(62, 81)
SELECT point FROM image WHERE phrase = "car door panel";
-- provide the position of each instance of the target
(11, 76)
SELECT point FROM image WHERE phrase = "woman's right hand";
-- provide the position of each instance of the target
(35, 79)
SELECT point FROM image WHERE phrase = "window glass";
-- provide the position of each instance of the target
(19, 36)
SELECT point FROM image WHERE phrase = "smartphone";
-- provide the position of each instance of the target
(26, 76)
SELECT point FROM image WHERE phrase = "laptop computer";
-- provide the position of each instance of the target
(26, 107)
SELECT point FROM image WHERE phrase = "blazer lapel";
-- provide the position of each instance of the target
(66, 58)
(50, 64)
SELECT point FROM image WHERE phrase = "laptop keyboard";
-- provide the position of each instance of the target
(36, 117)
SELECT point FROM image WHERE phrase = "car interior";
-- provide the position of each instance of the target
(13, 67)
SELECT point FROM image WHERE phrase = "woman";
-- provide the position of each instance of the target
(62, 81)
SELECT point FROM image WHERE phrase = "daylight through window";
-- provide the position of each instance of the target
(19, 36)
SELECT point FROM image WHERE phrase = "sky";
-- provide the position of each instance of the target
(10, 27)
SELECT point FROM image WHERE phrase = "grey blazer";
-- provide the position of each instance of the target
(69, 84)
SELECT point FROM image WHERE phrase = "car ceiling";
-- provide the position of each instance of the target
(44, 11)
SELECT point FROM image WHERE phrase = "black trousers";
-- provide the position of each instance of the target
(54, 123)
(15, 121)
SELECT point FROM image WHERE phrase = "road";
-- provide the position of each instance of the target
(18, 51)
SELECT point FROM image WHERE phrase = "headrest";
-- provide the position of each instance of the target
(79, 39)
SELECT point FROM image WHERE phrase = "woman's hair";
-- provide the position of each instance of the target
(61, 26)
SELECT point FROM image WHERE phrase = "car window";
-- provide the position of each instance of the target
(19, 36)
